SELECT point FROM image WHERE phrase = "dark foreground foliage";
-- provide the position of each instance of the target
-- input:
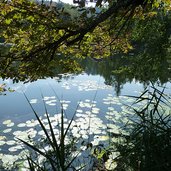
(148, 147)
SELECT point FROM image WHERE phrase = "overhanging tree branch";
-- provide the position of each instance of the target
(73, 37)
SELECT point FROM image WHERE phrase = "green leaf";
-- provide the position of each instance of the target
(8, 21)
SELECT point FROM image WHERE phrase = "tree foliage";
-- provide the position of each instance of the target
(39, 33)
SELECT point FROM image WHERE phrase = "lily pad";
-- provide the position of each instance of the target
(2, 142)
(7, 130)
(2, 138)
(11, 142)
(6, 122)
(21, 125)
(10, 124)
(12, 149)
(33, 101)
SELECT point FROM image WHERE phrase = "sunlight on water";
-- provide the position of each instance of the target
(98, 112)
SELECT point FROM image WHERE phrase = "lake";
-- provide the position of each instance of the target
(98, 101)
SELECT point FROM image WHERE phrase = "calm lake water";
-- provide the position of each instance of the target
(98, 105)
(73, 88)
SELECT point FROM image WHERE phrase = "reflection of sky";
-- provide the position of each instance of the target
(74, 89)
(97, 104)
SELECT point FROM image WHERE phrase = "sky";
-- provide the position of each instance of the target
(71, 2)
(67, 1)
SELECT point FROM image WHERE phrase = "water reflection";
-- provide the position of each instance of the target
(93, 89)
(119, 70)
(145, 64)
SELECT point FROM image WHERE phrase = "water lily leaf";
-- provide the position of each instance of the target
(6, 122)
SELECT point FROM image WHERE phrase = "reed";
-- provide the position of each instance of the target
(148, 147)
(59, 155)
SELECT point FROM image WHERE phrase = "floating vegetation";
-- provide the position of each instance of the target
(88, 123)
(85, 85)
(7, 130)
(2, 142)
(2, 138)
(12, 149)
(21, 125)
(110, 164)
(96, 121)
(6, 122)
(9, 160)
(11, 142)
(10, 124)
(79, 111)
(33, 101)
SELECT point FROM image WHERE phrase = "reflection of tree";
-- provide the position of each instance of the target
(117, 70)
(121, 69)
(152, 52)
(148, 62)
(105, 68)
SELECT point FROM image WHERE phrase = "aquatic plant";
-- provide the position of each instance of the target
(148, 146)
(57, 151)
(62, 146)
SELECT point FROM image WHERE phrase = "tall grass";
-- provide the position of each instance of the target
(53, 153)
(148, 147)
